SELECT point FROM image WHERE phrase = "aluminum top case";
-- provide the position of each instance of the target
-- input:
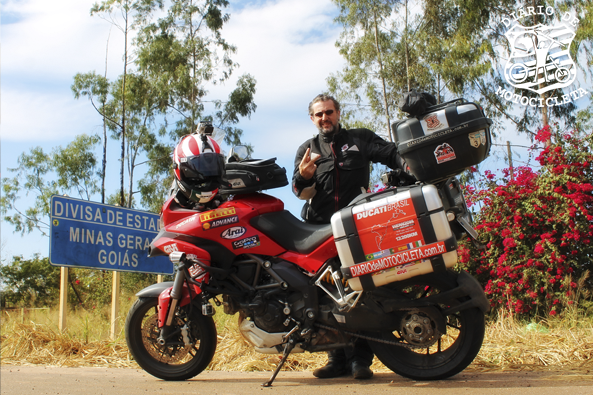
(444, 141)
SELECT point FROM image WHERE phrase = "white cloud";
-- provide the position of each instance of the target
(53, 40)
(287, 46)
(42, 117)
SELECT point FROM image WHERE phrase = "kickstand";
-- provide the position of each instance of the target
(287, 349)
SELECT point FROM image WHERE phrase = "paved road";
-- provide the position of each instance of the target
(26, 380)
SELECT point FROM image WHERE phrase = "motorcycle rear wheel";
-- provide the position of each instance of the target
(446, 354)
(174, 360)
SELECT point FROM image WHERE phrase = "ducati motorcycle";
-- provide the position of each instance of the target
(286, 280)
(382, 271)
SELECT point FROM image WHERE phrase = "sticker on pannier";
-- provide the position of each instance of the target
(477, 138)
(434, 122)
(388, 229)
(444, 153)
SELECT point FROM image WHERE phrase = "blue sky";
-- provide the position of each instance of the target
(287, 45)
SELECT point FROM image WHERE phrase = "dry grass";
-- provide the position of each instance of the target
(508, 345)
(565, 343)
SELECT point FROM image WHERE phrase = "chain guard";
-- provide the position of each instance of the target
(371, 338)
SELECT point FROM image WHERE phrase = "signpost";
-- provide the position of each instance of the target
(92, 235)
(100, 236)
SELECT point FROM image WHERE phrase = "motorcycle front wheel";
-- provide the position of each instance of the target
(428, 354)
(188, 349)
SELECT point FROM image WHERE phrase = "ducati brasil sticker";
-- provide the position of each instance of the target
(248, 242)
(233, 233)
(444, 153)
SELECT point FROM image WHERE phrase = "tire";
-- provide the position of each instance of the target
(449, 354)
(174, 360)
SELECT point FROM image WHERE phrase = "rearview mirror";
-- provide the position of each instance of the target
(238, 153)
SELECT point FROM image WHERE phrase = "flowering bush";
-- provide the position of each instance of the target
(537, 227)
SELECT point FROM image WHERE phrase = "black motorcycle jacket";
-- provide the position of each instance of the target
(343, 170)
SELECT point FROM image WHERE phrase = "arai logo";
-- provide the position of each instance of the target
(233, 233)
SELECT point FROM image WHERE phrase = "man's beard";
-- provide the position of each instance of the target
(329, 133)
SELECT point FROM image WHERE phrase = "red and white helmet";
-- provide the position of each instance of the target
(199, 167)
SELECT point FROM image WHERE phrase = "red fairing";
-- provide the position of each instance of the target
(227, 225)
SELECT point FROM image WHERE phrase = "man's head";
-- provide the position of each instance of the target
(324, 111)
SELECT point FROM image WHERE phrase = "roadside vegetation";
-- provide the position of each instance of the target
(510, 343)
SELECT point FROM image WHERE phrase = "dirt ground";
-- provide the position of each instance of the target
(25, 380)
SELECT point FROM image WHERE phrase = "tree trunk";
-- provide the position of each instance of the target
(104, 162)
(122, 201)
(545, 121)
(385, 103)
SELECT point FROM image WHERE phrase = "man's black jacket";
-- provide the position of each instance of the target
(343, 170)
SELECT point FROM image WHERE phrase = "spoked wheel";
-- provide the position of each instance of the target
(437, 345)
(188, 349)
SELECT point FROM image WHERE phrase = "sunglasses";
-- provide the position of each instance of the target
(326, 112)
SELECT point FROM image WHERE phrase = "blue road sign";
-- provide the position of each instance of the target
(100, 236)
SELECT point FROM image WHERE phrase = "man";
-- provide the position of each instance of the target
(331, 169)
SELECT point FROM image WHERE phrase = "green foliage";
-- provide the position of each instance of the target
(538, 229)
(450, 48)
(29, 282)
(36, 283)
(183, 52)
(65, 170)
(392, 47)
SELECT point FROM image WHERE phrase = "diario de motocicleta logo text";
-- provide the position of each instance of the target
(540, 58)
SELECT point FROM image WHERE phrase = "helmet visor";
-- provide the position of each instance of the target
(208, 164)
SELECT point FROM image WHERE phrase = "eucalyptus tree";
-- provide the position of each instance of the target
(365, 45)
(68, 170)
(96, 88)
(183, 54)
(127, 16)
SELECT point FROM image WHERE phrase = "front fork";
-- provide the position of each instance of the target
(179, 294)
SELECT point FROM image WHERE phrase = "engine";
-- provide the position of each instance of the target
(272, 292)
(272, 300)
(271, 315)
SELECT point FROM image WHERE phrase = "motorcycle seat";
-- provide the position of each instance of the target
(291, 233)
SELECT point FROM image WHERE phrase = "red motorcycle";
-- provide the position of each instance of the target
(381, 271)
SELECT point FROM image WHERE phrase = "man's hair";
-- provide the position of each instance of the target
(323, 97)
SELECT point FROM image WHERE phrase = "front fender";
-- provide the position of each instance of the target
(154, 290)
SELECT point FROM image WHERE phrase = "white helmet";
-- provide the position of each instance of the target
(199, 167)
